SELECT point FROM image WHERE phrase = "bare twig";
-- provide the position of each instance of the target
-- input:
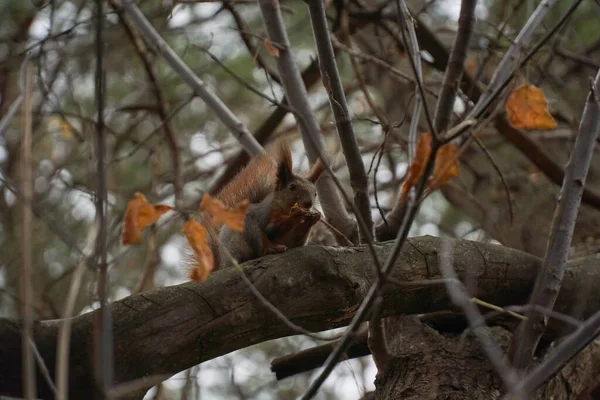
(64, 336)
(377, 340)
(445, 101)
(358, 177)
(459, 296)
(43, 367)
(270, 305)
(297, 97)
(103, 325)
(456, 61)
(161, 105)
(63, 342)
(512, 55)
(411, 44)
(564, 352)
(309, 76)
(333, 84)
(14, 107)
(379, 62)
(27, 235)
(253, 50)
(563, 224)
(154, 40)
(374, 290)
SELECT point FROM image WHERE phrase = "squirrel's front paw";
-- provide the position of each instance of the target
(299, 212)
(276, 248)
(311, 217)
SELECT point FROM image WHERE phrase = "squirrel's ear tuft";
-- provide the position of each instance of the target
(285, 173)
(316, 171)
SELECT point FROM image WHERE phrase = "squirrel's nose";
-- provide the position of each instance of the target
(306, 204)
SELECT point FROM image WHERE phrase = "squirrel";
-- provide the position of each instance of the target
(278, 216)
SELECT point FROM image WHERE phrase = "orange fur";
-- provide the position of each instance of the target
(254, 183)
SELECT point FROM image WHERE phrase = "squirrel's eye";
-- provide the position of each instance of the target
(292, 186)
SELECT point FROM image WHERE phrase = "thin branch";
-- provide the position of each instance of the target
(411, 44)
(14, 107)
(309, 77)
(103, 325)
(42, 365)
(296, 94)
(375, 60)
(335, 89)
(242, 81)
(254, 51)
(26, 173)
(563, 224)
(445, 103)
(64, 335)
(456, 61)
(459, 296)
(270, 306)
(154, 40)
(161, 105)
(374, 290)
(512, 55)
(564, 352)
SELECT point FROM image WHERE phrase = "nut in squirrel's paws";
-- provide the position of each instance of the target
(305, 214)
(276, 248)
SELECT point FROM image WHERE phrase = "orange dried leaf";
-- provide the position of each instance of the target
(138, 216)
(445, 167)
(527, 108)
(470, 66)
(232, 217)
(417, 167)
(161, 209)
(203, 256)
(274, 51)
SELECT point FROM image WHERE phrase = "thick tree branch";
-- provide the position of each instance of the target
(168, 330)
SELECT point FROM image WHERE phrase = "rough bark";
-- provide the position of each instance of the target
(427, 364)
(170, 329)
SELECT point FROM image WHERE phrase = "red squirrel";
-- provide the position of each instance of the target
(279, 215)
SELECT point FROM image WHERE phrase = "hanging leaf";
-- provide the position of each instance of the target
(139, 215)
(65, 130)
(274, 51)
(204, 261)
(445, 167)
(470, 66)
(417, 167)
(527, 108)
(232, 217)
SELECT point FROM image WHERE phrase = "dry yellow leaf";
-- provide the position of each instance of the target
(417, 166)
(527, 108)
(204, 261)
(274, 51)
(139, 215)
(445, 167)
